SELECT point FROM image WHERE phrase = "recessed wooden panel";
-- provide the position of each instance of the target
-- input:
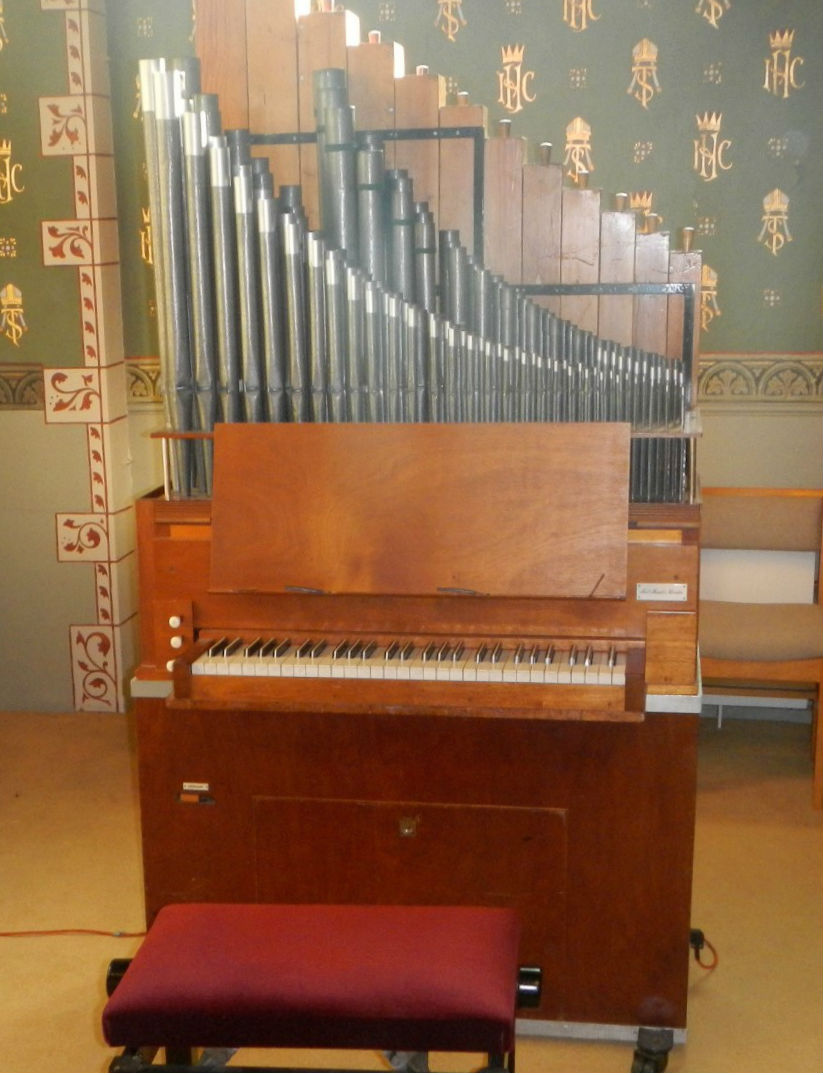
(414, 853)
(518, 510)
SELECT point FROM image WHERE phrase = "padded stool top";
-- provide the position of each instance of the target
(325, 976)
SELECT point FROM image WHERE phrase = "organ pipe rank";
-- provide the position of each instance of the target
(375, 317)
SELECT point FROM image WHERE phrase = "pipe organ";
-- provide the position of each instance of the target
(418, 609)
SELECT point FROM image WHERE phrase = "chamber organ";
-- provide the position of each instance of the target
(427, 634)
(435, 664)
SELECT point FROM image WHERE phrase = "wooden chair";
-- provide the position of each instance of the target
(773, 649)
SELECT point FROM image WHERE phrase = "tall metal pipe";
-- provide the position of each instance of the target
(272, 314)
(329, 91)
(341, 227)
(317, 336)
(401, 219)
(336, 332)
(201, 274)
(169, 102)
(425, 258)
(251, 340)
(225, 280)
(356, 379)
(298, 385)
(371, 210)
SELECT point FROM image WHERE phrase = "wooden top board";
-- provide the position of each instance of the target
(499, 509)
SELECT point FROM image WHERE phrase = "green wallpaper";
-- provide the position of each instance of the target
(40, 324)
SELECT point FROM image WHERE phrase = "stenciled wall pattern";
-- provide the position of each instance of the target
(56, 156)
(61, 340)
(704, 111)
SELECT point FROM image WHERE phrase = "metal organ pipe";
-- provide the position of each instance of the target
(168, 99)
(226, 285)
(251, 349)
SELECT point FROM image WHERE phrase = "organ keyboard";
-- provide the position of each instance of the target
(446, 662)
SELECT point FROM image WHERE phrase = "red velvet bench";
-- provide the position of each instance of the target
(414, 979)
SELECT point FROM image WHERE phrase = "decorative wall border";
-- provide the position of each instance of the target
(764, 378)
(21, 388)
(100, 534)
(722, 378)
(143, 382)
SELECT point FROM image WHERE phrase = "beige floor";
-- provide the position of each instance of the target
(69, 858)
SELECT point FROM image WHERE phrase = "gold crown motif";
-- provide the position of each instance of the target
(645, 51)
(781, 39)
(708, 277)
(11, 295)
(578, 130)
(512, 53)
(642, 200)
(5, 147)
(709, 122)
(776, 201)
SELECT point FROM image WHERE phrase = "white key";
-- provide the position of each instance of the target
(562, 658)
(352, 665)
(264, 661)
(411, 667)
(234, 657)
(314, 658)
(220, 660)
(248, 663)
(428, 667)
(370, 663)
(577, 665)
(619, 670)
(406, 655)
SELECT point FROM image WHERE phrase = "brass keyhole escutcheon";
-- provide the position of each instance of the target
(407, 826)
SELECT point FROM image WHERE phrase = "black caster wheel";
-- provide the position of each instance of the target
(116, 969)
(653, 1046)
(644, 1062)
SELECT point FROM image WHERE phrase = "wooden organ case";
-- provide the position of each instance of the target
(431, 663)
(420, 648)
